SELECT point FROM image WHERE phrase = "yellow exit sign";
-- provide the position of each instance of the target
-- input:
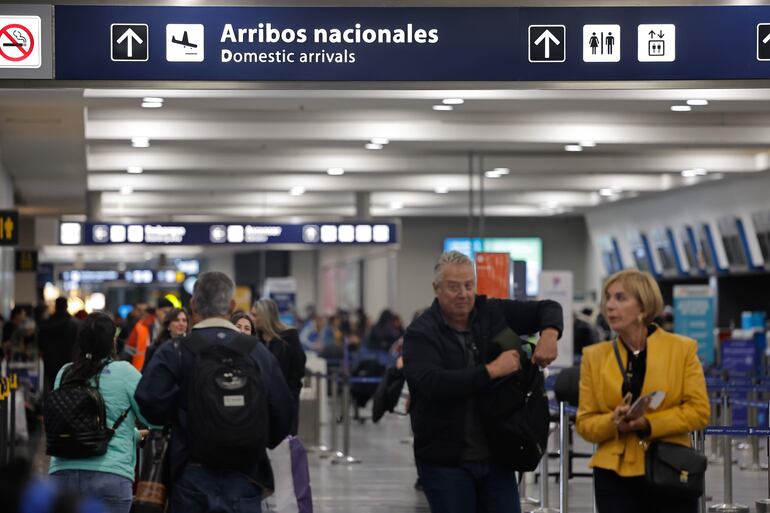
(9, 227)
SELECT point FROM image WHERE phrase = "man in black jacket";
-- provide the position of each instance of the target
(446, 352)
(162, 396)
(56, 340)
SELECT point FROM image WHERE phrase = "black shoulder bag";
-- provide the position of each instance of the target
(671, 469)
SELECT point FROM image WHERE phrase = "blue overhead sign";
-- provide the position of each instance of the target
(416, 44)
(195, 234)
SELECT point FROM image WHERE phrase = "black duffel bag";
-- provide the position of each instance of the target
(675, 469)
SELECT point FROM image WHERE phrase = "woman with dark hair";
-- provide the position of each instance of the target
(283, 342)
(176, 325)
(107, 477)
(244, 322)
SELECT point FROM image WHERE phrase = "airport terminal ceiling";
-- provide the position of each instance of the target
(303, 150)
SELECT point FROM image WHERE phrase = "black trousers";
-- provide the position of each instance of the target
(616, 494)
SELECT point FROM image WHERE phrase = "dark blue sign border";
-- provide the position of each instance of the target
(474, 44)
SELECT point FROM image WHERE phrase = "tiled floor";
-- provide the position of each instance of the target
(384, 480)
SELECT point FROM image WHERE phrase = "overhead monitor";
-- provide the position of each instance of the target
(528, 249)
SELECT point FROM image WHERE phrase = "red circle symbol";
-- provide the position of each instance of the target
(5, 32)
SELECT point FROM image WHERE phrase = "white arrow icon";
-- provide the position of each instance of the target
(545, 36)
(766, 39)
(132, 36)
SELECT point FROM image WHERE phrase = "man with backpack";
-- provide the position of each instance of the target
(227, 401)
(478, 406)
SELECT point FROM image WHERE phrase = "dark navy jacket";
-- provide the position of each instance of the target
(441, 383)
(162, 396)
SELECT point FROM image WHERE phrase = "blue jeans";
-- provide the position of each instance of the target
(203, 490)
(470, 487)
(113, 490)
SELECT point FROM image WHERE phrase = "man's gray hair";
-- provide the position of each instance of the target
(212, 294)
(448, 258)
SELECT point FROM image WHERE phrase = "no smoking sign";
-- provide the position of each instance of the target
(20, 42)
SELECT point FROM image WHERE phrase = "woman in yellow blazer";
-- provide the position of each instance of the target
(654, 360)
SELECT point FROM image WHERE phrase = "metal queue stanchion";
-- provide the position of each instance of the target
(563, 458)
(715, 420)
(699, 444)
(544, 498)
(344, 457)
(753, 418)
(763, 505)
(333, 448)
(727, 453)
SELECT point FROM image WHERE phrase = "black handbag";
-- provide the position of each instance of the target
(671, 469)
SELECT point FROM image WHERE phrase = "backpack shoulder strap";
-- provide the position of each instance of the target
(194, 342)
(244, 344)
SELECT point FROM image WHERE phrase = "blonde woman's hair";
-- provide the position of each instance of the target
(267, 312)
(640, 285)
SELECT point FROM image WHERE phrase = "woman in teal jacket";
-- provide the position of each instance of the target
(108, 477)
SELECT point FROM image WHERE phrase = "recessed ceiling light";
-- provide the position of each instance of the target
(396, 205)
(441, 189)
(587, 144)
(573, 147)
(152, 99)
(691, 173)
(681, 108)
(452, 101)
(502, 171)
(373, 146)
(443, 107)
(134, 170)
(297, 190)
(380, 140)
(492, 174)
(126, 190)
(335, 171)
(140, 142)
(697, 103)
(608, 191)
(151, 105)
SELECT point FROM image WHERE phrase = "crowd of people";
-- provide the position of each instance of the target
(226, 385)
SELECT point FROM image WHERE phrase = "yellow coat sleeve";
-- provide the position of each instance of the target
(592, 424)
(693, 412)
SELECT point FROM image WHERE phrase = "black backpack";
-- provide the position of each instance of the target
(75, 419)
(227, 416)
(514, 410)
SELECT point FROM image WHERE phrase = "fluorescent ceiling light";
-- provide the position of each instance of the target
(297, 190)
(373, 146)
(587, 144)
(441, 189)
(691, 173)
(608, 191)
(396, 205)
(453, 101)
(152, 99)
(134, 170)
(573, 147)
(443, 107)
(681, 108)
(492, 174)
(126, 190)
(151, 105)
(335, 171)
(697, 103)
(380, 140)
(502, 170)
(140, 142)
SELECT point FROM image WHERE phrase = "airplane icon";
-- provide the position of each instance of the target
(184, 42)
